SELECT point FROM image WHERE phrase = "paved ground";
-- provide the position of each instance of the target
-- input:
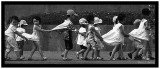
(55, 58)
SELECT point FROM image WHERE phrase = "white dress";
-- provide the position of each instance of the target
(114, 35)
(81, 38)
(140, 33)
(34, 36)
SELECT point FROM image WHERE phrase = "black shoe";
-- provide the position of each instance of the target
(151, 58)
(62, 55)
(138, 58)
(130, 55)
(110, 53)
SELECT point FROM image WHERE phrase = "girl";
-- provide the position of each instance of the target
(91, 33)
(99, 45)
(137, 44)
(10, 38)
(115, 37)
(20, 41)
(36, 37)
(81, 37)
(142, 33)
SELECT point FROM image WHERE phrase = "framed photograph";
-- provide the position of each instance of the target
(79, 34)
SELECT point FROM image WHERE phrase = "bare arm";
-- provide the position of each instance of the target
(97, 34)
(19, 34)
(39, 29)
(122, 31)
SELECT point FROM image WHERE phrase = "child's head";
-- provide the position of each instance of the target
(36, 20)
(90, 18)
(121, 17)
(115, 19)
(97, 21)
(14, 20)
(71, 14)
(23, 23)
(146, 11)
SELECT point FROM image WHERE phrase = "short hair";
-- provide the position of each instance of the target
(90, 17)
(146, 11)
(121, 17)
(13, 18)
(37, 18)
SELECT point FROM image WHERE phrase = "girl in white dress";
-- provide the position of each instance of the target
(81, 37)
(142, 32)
(35, 37)
(115, 37)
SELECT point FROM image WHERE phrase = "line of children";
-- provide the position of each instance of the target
(89, 36)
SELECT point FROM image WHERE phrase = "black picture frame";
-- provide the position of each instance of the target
(3, 3)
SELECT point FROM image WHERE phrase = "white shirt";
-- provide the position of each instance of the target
(10, 31)
(81, 38)
(20, 30)
(65, 24)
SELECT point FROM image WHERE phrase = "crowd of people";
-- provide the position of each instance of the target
(89, 36)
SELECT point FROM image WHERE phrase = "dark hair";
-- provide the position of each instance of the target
(121, 17)
(82, 25)
(116, 21)
(13, 18)
(90, 17)
(37, 18)
(146, 11)
(68, 16)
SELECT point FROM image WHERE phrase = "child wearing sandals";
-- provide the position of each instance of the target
(81, 37)
(115, 37)
(35, 37)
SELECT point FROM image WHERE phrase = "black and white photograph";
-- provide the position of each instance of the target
(79, 33)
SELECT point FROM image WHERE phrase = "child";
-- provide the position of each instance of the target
(115, 37)
(91, 33)
(36, 37)
(142, 33)
(67, 27)
(137, 44)
(20, 40)
(81, 37)
(10, 38)
(99, 45)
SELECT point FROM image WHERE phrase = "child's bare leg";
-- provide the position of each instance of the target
(114, 51)
(33, 50)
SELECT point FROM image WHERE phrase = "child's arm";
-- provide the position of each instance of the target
(39, 29)
(19, 34)
(122, 31)
(97, 34)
